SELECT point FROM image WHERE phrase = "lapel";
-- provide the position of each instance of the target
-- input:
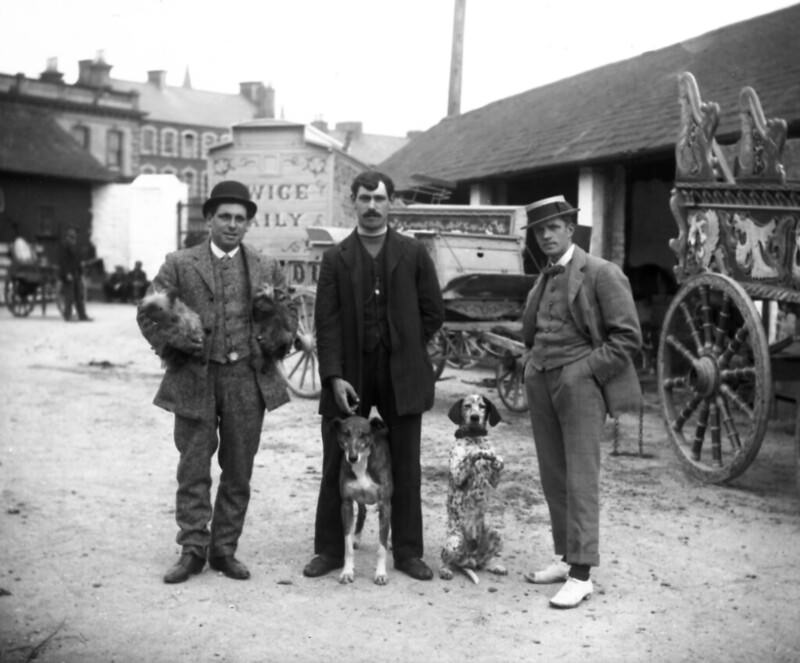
(394, 251)
(201, 258)
(251, 265)
(350, 253)
(577, 272)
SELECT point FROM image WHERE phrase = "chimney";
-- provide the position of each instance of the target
(261, 96)
(320, 124)
(51, 74)
(456, 59)
(157, 77)
(94, 73)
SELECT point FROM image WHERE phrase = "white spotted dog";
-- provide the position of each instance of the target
(365, 477)
(474, 471)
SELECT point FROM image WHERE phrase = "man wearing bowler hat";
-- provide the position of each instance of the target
(217, 387)
(581, 328)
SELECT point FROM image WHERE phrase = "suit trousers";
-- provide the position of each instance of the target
(567, 413)
(232, 421)
(404, 444)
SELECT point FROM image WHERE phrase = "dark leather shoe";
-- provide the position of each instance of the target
(320, 565)
(230, 566)
(187, 566)
(414, 567)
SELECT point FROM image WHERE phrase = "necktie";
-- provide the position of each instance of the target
(552, 270)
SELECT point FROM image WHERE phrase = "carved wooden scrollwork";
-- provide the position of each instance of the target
(761, 142)
(694, 157)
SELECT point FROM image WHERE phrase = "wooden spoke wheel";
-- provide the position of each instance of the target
(19, 299)
(511, 382)
(301, 366)
(464, 351)
(437, 351)
(714, 377)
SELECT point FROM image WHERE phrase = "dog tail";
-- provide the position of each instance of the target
(470, 574)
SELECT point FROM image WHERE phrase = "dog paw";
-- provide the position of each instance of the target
(445, 573)
(381, 578)
(346, 577)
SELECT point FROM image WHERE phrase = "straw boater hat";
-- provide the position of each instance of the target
(548, 208)
(230, 191)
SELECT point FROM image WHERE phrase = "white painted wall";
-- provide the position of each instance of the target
(137, 221)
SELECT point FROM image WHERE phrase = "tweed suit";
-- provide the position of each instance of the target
(216, 405)
(568, 403)
(401, 394)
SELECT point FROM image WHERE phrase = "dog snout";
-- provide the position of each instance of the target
(352, 457)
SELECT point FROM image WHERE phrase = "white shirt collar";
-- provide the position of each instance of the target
(564, 260)
(219, 253)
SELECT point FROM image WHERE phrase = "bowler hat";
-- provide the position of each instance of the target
(230, 191)
(548, 208)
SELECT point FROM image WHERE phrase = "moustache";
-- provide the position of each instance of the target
(372, 213)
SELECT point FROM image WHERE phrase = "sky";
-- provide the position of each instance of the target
(385, 63)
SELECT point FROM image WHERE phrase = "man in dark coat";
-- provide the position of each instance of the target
(219, 385)
(582, 330)
(70, 268)
(378, 304)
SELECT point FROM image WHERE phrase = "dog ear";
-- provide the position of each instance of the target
(455, 412)
(494, 415)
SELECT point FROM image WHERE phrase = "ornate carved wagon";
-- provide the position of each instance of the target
(738, 252)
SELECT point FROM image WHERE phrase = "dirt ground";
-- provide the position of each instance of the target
(689, 572)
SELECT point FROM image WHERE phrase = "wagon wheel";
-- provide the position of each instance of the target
(714, 377)
(511, 383)
(437, 351)
(19, 305)
(300, 366)
(464, 351)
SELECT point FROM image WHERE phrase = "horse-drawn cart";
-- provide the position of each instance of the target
(731, 328)
(30, 281)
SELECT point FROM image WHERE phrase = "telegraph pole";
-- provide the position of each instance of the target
(456, 59)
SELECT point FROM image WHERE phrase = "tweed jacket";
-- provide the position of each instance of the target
(602, 306)
(191, 273)
(415, 312)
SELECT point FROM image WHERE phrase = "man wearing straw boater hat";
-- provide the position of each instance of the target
(581, 329)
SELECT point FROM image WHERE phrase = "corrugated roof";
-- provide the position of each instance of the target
(187, 106)
(617, 111)
(32, 142)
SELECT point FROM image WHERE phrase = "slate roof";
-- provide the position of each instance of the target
(180, 105)
(370, 149)
(32, 142)
(617, 111)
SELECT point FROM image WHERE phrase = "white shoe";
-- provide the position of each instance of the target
(556, 572)
(572, 593)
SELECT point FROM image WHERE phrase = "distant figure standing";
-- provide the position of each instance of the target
(137, 281)
(71, 274)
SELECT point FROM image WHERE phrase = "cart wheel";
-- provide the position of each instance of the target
(511, 382)
(300, 366)
(19, 305)
(437, 351)
(714, 377)
(464, 351)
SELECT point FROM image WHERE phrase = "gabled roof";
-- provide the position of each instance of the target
(182, 105)
(32, 142)
(621, 110)
(371, 149)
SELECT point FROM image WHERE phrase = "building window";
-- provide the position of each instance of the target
(169, 142)
(190, 179)
(204, 184)
(149, 140)
(81, 134)
(209, 139)
(168, 170)
(147, 169)
(114, 148)
(189, 145)
(47, 221)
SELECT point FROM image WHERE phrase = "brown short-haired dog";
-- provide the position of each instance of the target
(365, 477)
(474, 470)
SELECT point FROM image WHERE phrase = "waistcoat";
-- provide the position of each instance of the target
(230, 340)
(376, 325)
(557, 341)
